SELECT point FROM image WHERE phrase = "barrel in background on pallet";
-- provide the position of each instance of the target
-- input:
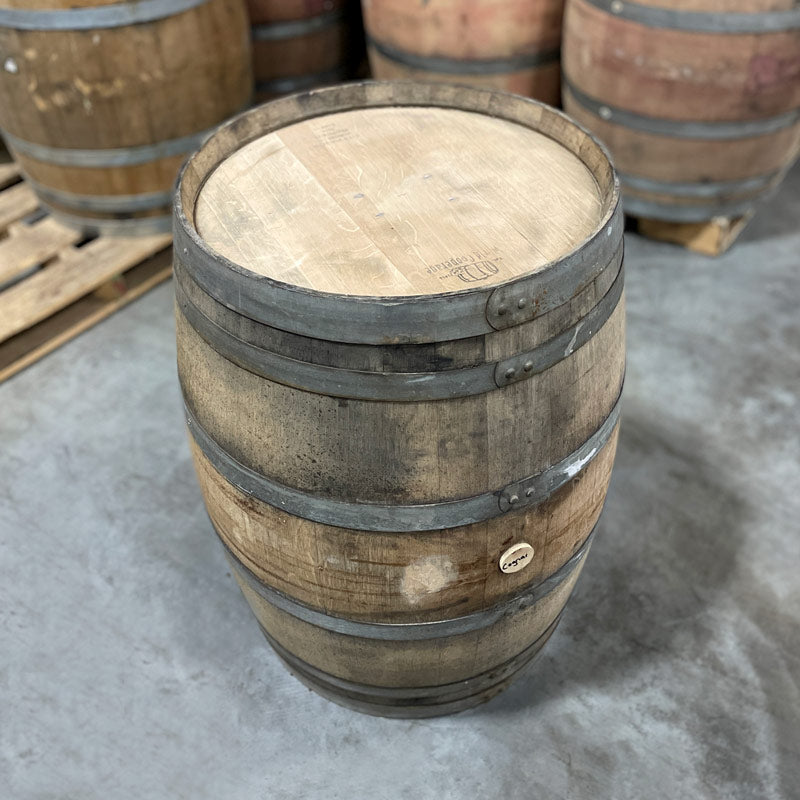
(402, 374)
(505, 44)
(101, 102)
(302, 44)
(699, 102)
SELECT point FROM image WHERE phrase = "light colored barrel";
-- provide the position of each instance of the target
(302, 44)
(401, 349)
(504, 44)
(698, 100)
(100, 102)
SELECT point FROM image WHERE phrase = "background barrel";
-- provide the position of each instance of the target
(100, 102)
(300, 44)
(402, 385)
(504, 44)
(698, 101)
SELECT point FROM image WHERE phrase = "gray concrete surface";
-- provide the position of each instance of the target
(130, 666)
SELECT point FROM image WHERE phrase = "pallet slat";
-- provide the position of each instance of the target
(9, 171)
(15, 203)
(29, 346)
(29, 245)
(76, 286)
(710, 238)
(73, 274)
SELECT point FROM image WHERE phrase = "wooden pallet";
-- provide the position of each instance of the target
(710, 238)
(55, 282)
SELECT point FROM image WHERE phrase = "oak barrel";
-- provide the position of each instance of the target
(401, 349)
(698, 100)
(302, 44)
(101, 101)
(511, 45)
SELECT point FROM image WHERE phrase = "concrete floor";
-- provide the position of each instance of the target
(130, 666)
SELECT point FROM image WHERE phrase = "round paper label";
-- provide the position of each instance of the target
(517, 557)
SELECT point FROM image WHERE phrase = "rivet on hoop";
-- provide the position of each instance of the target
(510, 373)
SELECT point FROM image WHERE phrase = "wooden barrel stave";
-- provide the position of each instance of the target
(701, 109)
(387, 615)
(425, 473)
(423, 702)
(105, 140)
(329, 567)
(497, 345)
(300, 45)
(642, 68)
(411, 663)
(512, 45)
(264, 12)
(462, 29)
(542, 82)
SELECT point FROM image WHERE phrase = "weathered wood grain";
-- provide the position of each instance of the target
(466, 33)
(402, 577)
(31, 344)
(410, 664)
(122, 87)
(299, 44)
(726, 99)
(287, 205)
(429, 198)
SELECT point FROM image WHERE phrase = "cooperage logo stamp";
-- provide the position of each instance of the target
(469, 268)
(479, 271)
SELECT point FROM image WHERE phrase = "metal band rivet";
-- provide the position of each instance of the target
(682, 129)
(532, 362)
(401, 518)
(393, 386)
(405, 319)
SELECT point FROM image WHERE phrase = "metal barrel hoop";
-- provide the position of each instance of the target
(464, 66)
(131, 226)
(290, 29)
(112, 203)
(411, 631)
(397, 386)
(388, 320)
(682, 129)
(725, 22)
(110, 156)
(523, 493)
(414, 702)
(116, 15)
